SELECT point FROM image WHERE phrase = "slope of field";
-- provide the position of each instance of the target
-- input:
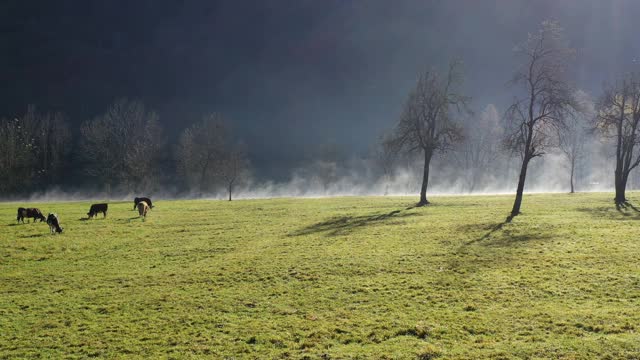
(326, 278)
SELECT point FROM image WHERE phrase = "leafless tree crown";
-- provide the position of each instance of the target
(426, 122)
(547, 97)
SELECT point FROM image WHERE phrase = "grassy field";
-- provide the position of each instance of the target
(337, 278)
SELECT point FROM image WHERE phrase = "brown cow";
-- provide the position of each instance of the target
(145, 199)
(33, 213)
(143, 208)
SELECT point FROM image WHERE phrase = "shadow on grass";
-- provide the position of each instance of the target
(511, 240)
(490, 230)
(626, 205)
(497, 236)
(624, 211)
(342, 225)
(33, 236)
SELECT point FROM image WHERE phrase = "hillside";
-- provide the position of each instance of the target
(362, 277)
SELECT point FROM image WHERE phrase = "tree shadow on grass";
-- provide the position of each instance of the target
(497, 236)
(490, 230)
(625, 206)
(514, 240)
(624, 211)
(342, 225)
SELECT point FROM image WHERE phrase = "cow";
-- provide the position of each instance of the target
(33, 213)
(138, 199)
(54, 225)
(143, 208)
(22, 213)
(98, 208)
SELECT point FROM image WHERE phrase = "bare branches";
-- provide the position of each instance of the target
(205, 159)
(425, 123)
(121, 147)
(198, 149)
(618, 115)
(548, 99)
(233, 167)
(33, 147)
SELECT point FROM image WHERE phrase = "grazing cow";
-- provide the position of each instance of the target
(22, 213)
(98, 208)
(54, 225)
(138, 199)
(143, 208)
(33, 213)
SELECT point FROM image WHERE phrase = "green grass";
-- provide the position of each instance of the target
(338, 278)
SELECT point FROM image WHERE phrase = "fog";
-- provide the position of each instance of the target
(361, 177)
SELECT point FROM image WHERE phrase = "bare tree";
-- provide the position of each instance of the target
(199, 148)
(16, 159)
(478, 153)
(546, 102)
(121, 147)
(573, 136)
(232, 168)
(571, 143)
(618, 115)
(426, 123)
(34, 148)
(52, 139)
(386, 155)
(142, 158)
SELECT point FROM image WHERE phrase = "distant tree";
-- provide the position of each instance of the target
(546, 102)
(426, 124)
(478, 153)
(618, 115)
(327, 162)
(572, 137)
(34, 148)
(122, 146)
(571, 141)
(386, 155)
(52, 141)
(16, 159)
(232, 167)
(199, 149)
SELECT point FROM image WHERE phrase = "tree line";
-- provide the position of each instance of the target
(122, 150)
(548, 112)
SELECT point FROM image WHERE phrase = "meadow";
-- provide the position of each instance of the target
(332, 278)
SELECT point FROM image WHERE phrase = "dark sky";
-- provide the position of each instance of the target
(289, 74)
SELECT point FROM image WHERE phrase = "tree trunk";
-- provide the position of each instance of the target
(573, 165)
(425, 178)
(519, 192)
(621, 185)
